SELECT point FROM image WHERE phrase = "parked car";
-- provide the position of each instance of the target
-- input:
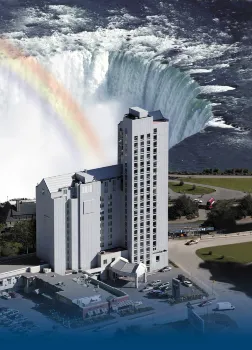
(155, 283)
(147, 289)
(197, 200)
(13, 294)
(188, 283)
(165, 269)
(138, 303)
(164, 285)
(6, 296)
(205, 303)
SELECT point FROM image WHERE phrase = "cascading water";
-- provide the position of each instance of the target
(105, 84)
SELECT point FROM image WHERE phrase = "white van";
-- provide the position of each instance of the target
(224, 305)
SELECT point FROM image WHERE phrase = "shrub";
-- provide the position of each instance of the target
(181, 183)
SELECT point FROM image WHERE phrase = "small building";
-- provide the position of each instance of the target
(20, 210)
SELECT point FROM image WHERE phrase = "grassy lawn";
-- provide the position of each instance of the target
(241, 184)
(240, 253)
(174, 186)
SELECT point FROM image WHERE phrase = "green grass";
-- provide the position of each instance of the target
(240, 253)
(174, 186)
(239, 184)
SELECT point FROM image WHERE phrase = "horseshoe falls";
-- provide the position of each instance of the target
(105, 84)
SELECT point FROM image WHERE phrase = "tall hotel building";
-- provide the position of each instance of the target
(93, 219)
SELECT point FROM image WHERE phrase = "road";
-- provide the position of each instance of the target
(186, 258)
(220, 193)
(215, 176)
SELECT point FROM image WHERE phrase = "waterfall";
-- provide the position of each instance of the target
(104, 83)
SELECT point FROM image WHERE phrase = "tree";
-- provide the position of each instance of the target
(181, 183)
(10, 248)
(25, 233)
(223, 215)
(193, 187)
(245, 206)
(183, 206)
(2, 227)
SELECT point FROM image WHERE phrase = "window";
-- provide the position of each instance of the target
(142, 137)
(157, 258)
(113, 259)
(110, 217)
(87, 188)
(148, 136)
(142, 150)
(155, 131)
(109, 243)
(135, 138)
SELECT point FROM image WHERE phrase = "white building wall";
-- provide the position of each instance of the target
(110, 233)
(44, 223)
(73, 236)
(59, 263)
(89, 224)
(160, 255)
(136, 154)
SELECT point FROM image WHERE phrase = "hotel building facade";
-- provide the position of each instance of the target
(92, 219)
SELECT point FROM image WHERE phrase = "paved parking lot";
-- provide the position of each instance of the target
(186, 258)
(157, 303)
(25, 313)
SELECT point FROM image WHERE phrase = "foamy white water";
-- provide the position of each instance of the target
(209, 89)
(107, 71)
(219, 123)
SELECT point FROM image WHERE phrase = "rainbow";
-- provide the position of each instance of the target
(59, 99)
